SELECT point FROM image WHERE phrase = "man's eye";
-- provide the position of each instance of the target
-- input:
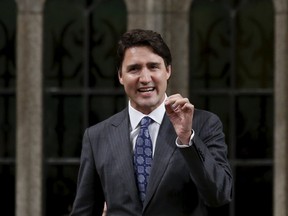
(132, 69)
(154, 66)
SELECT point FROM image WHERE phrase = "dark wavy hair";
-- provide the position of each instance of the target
(147, 38)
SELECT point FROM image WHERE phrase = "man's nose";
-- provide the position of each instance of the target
(145, 76)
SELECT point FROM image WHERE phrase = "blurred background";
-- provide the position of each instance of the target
(223, 60)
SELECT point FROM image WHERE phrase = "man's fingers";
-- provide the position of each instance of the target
(169, 108)
(177, 102)
(188, 106)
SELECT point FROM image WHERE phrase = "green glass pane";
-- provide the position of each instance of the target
(80, 42)
(219, 105)
(209, 45)
(7, 43)
(253, 191)
(7, 126)
(63, 126)
(254, 127)
(102, 107)
(255, 44)
(108, 23)
(7, 195)
(63, 43)
(231, 44)
(61, 183)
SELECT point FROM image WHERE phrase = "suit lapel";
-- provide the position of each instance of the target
(122, 150)
(165, 147)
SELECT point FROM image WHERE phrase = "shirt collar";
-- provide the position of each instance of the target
(136, 116)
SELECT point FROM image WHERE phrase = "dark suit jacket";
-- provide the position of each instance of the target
(182, 181)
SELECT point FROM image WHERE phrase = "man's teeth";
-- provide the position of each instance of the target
(146, 90)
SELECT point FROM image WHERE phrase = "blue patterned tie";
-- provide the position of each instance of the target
(143, 157)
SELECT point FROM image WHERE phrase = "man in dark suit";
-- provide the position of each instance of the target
(177, 166)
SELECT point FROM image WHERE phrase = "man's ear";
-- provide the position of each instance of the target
(120, 77)
(169, 70)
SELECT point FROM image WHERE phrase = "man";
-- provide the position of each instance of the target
(176, 166)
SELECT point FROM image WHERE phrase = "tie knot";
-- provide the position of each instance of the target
(145, 121)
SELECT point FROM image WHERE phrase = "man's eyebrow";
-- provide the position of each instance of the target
(133, 66)
(154, 63)
(136, 65)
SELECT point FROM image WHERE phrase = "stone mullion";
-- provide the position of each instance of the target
(29, 144)
(280, 109)
(177, 35)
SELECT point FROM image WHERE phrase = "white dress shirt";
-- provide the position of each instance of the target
(135, 118)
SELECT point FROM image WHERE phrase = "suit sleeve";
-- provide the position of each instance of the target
(89, 199)
(208, 163)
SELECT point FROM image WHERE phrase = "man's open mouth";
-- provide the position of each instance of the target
(146, 89)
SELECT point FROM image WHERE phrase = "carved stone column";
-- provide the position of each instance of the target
(177, 35)
(146, 14)
(280, 109)
(29, 108)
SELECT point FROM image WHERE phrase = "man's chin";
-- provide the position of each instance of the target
(147, 105)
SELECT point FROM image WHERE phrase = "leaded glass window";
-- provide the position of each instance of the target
(231, 74)
(81, 85)
(7, 105)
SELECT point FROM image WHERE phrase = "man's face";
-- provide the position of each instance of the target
(144, 77)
